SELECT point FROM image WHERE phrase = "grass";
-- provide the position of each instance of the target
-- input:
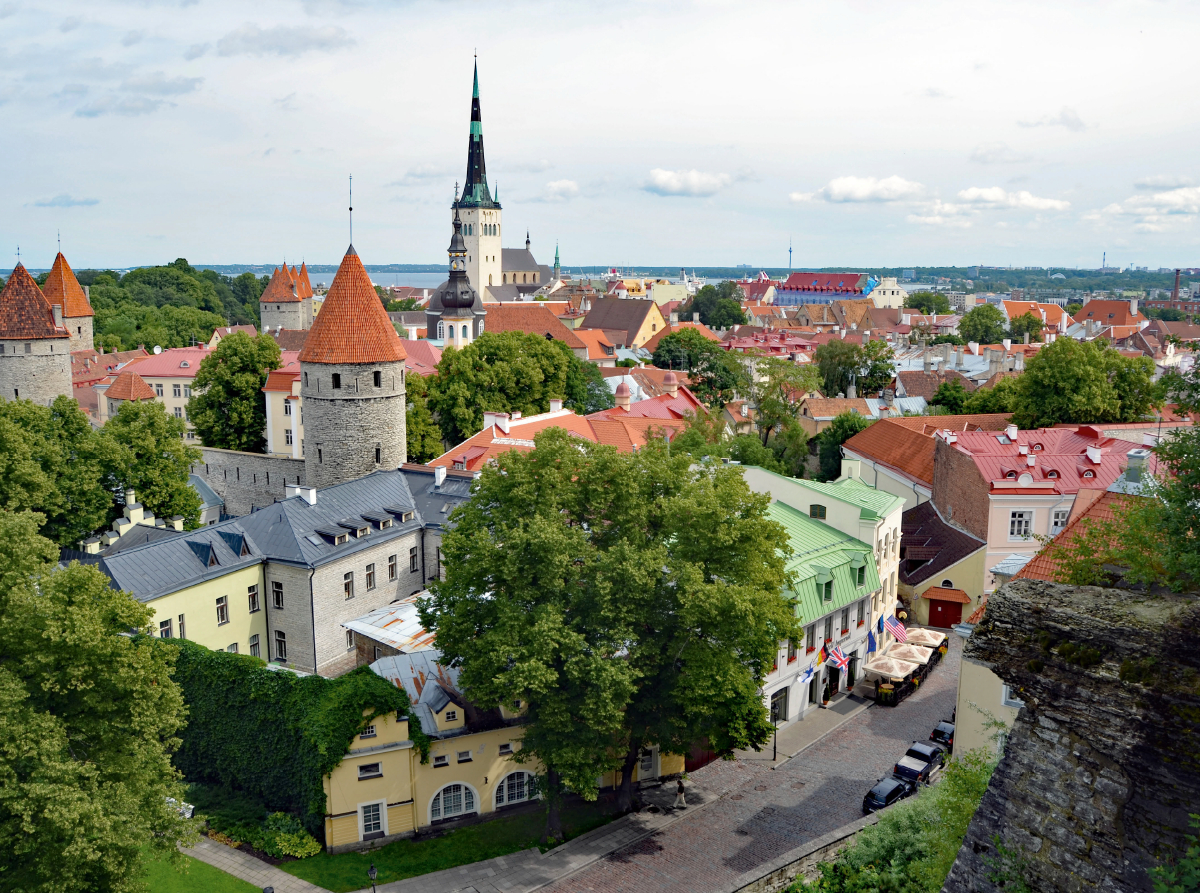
(161, 877)
(408, 858)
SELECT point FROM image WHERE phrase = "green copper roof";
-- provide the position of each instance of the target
(821, 554)
(475, 90)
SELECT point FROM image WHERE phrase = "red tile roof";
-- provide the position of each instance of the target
(129, 386)
(352, 327)
(175, 362)
(1110, 313)
(946, 595)
(284, 287)
(599, 347)
(63, 288)
(826, 282)
(89, 365)
(25, 314)
(987, 421)
(1045, 564)
(889, 443)
(673, 327)
(303, 284)
(532, 317)
(289, 339)
(1061, 463)
(421, 357)
(664, 406)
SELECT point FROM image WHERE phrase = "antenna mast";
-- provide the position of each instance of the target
(352, 209)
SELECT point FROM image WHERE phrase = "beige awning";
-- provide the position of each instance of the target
(916, 654)
(926, 637)
(889, 667)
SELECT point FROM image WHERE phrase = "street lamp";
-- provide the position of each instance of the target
(372, 874)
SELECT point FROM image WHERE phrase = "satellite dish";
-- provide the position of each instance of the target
(157, 350)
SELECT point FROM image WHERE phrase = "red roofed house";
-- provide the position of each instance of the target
(285, 421)
(221, 332)
(170, 374)
(127, 387)
(819, 288)
(600, 350)
(90, 367)
(1009, 487)
(63, 288)
(35, 345)
(1053, 317)
(534, 318)
(287, 301)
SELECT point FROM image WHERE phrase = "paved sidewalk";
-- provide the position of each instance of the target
(251, 870)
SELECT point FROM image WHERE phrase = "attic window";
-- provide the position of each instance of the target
(184, 364)
(407, 516)
(827, 590)
(1089, 474)
(817, 511)
(385, 523)
(1052, 474)
(341, 538)
(1037, 447)
(362, 531)
(1010, 475)
(451, 716)
(212, 555)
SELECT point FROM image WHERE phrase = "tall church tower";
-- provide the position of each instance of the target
(352, 383)
(480, 213)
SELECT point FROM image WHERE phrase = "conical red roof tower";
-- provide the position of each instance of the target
(352, 327)
(63, 288)
(24, 311)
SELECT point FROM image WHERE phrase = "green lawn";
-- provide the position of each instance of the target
(201, 877)
(409, 858)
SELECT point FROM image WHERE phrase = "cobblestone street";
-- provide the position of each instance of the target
(764, 813)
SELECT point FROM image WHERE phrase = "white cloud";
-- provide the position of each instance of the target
(65, 201)
(8, 9)
(689, 183)
(1184, 200)
(195, 51)
(998, 197)
(1066, 117)
(1162, 182)
(127, 106)
(282, 40)
(132, 37)
(863, 189)
(422, 175)
(96, 69)
(939, 220)
(69, 24)
(997, 153)
(158, 84)
(935, 93)
(560, 191)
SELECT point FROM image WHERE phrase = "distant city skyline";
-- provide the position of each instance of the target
(702, 134)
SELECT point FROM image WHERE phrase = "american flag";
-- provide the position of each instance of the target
(838, 658)
(896, 628)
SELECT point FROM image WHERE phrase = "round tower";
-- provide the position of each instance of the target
(352, 383)
(63, 288)
(35, 347)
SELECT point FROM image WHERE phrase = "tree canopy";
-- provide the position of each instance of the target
(89, 716)
(829, 442)
(717, 373)
(228, 407)
(1026, 323)
(929, 302)
(870, 364)
(950, 396)
(983, 324)
(1082, 382)
(624, 599)
(152, 459)
(1001, 397)
(421, 431)
(719, 306)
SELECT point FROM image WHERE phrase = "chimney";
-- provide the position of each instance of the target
(744, 410)
(851, 469)
(133, 510)
(696, 318)
(1019, 363)
(671, 382)
(1007, 342)
(290, 490)
(515, 414)
(1137, 464)
(973, 346)
(87, 289)
(308, 494)
(1093, 454)
(889, 397)
(622, 396)
(1031, 460)
(439, 475)
(58, 316)
(1026, 337)
(851, 393)
(503, 421)
(91, 545)
(674, 317)
(866, 337)
(555, 404)
(925, 358)
(1174, 297)
(1133, 302)
(1011, 432)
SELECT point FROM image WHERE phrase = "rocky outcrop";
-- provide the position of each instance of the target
(1103, 765)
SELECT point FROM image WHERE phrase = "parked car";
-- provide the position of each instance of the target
(886, 792)
(934, 754)
(913, 769)
(943, 735)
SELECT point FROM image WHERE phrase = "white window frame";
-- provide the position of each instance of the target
(382, 804)
(254, 646)
(502, 786)
(1055, 516)
(474, 810)
(1023, 517)
(1007, 698)
(222, 605)
(370, 576)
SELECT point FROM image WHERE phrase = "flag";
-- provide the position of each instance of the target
(838, 658)
(808, 674)
(870, 641)
(881, 626)
(822, 656)
(896, 628)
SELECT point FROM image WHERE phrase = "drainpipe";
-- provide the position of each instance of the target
(313, 612)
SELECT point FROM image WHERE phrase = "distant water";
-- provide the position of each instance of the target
(416, 280)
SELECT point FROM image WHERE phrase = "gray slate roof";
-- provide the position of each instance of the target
(208, 496)
(426, 682)
(517, 259)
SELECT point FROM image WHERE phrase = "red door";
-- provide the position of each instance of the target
(944, 614)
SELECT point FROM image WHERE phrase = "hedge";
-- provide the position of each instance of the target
(271, 733)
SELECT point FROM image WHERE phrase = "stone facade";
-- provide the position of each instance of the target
(288, 315)
(959, 492)
(295, 619)
(37, 370)
(1101, 768)
(352, 425)
(80, 328)
(246, 481)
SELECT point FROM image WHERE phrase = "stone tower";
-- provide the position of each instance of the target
(287, 301)
(35, 346)
(460, 319)
(352, 383)
(479, 210)
(63, 288)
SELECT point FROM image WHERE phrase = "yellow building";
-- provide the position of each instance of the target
(986, 708)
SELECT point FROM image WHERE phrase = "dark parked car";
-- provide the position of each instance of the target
(913, 769)
(943, 735)
(933, 754)
(887, 792)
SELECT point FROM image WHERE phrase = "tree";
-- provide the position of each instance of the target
(717, 373)
(829, 442)
(421, 431)
(1072, 309)
(586, 390)
(947, 339)
(838, 360)
(502, 372)
(89, 716)
(707, 302)
(877, 369)
(149, 457)
(50, 462)
(928, 302)
(1026, 323)
(951, 396)
(1001, 397)
(983, 324)
(1082, 382)
(401, 305)
(776, 388)
(228, 407)
(623, 600)
(726, 314)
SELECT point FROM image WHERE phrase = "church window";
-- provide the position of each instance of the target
(464, 334)
(441, 330)
(481, 327)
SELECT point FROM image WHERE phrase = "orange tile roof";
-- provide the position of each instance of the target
(25, 314)
(987, 421)
(829, 407)
(63, 288)
(129, 386)
(1045, 564)
(532, 317)
(977, 614)
(283, 288)
(352, 326)
(303, 283)
(673, 327)
(898, 446)
(946, 595)
(1109, 313)
(596, 344)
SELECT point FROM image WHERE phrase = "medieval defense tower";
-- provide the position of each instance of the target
(35, 346)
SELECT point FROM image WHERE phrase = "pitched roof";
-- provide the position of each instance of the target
(303, 283)
(289, 339)
(352, 326)
(520, 259)
(532, 317)
(829, 407)
(928, 545)
(623, 315)
(1050, 314)
(1045, 564)
(1109, 313)
(946, 595)
(25, 314)
(674, 327)
(925, 384)
(826, 282)
(174, 362)
(599, 347)
(421, 357)
(63, 288)
(984, 421)
(129, 386)
(663, 406)
(1059, 457)
(897, 446)
(872, 504)
(283, 288)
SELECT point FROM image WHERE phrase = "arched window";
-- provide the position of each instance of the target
(524, 277)
(452, 800)
(441, 330)
(505, 278)
(514, 788)
(480, 326)
(465, 336)
(489, 278)
(947, 584)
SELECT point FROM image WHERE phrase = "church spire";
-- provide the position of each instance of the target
(557, 268)
(475, 192)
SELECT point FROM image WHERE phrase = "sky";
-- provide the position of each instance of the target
(656, 132)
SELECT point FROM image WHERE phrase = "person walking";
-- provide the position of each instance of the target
(680, 802)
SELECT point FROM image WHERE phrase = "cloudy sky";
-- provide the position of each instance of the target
(647, 132)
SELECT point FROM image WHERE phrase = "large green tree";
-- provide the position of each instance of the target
(51, 461)
(228, 407)
(837, 361)
(928, 302)
(1000, 397)
(89, 716)
(829, 442)
(621, 599)
(1026, 324)
(983, 324)
(717, 373)
(586, 391)
(150, 457)
(1081, 382)
(951, 396)
(719, 305)
(776, 390)
(421, 431)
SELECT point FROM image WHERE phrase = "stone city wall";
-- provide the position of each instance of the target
(39, 376)
(247, 481)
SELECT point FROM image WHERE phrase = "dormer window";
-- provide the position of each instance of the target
(451, 716)
(385, 523)
(184, 364)
(362, 531)
(1089, 474)
(1052, 474)
(817, 511)
(341, 538)
(1011, 475)
(407, 516)
(1037, 447)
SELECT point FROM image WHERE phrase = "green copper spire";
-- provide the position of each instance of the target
(475, 192)
(475, 91)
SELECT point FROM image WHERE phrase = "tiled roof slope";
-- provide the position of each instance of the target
(989, 421)
(622, 315)
(1045, 564)
(925, 384)
(1110, 313)
(303, 283)
(928, 545)
(289, 339)
(63, 288)
(283, 288)
(352, 326)
(532, 317)
(672, 328)
(25, 314)
(129, 386)
(1059, 456)
(887, 442)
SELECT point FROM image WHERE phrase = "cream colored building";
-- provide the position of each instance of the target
(889, 293)
(986, 708)
(284, 411)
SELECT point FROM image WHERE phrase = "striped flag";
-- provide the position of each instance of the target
(838, 658)
(822, 656)
(896, 628)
